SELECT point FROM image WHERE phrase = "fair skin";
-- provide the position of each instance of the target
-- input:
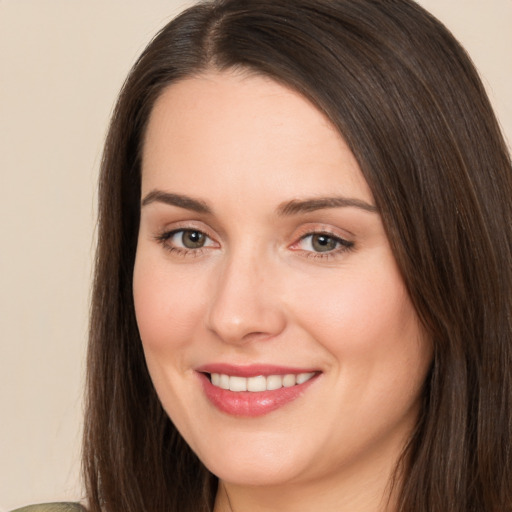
(250, 272)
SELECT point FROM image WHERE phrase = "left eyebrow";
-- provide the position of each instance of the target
(310, 205)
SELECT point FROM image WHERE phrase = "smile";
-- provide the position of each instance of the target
(255, 390)
(259, 383)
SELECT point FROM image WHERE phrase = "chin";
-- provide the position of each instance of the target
(252, 473)
(262, 462)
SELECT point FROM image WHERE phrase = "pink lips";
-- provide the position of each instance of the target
(247, 403)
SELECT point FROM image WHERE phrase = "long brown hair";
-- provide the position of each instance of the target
(408, 101)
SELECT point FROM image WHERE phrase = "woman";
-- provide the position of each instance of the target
(303, 283)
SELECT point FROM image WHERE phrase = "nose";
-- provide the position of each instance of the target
(246, 303)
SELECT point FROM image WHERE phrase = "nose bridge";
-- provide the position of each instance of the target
(245, 301)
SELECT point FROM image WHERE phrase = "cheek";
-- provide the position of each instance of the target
(168, 308)
(378, 355)
(353, 304)
(168, 305)
(364, 318)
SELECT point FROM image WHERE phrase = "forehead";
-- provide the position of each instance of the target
(244, 129)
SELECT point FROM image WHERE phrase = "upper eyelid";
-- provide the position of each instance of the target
(168, 233)
(193, 225)
(323, 232)
(318, 229)
(343, 241)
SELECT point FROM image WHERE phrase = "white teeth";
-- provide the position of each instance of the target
(224, 381)
(289, 380)
(259, 383)
(304, 377)
(237, 384)
(274, 382)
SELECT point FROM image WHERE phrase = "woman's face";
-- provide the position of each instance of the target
(262, 263)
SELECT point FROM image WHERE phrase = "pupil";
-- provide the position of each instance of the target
(193, 239)
(323, 243)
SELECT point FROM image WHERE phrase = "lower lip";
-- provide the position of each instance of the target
(251, 404)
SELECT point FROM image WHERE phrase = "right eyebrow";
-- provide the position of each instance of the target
(179, 200)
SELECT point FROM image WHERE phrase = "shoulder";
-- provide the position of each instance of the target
(53, 507)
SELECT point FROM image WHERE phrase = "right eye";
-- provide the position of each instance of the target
(185, 240)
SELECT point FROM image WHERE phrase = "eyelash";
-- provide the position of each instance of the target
(164, 238)
(342, 245)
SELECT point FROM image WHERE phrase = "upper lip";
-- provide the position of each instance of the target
(252, 370)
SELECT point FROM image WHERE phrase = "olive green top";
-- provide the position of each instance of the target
(53, 507)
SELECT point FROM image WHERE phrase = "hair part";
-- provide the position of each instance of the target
(410, 105)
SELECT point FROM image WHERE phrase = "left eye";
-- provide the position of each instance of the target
(189, 239)
(323, 242)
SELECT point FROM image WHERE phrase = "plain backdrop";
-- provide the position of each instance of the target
(62, 63)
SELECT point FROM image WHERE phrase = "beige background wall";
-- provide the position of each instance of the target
(61, 65)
